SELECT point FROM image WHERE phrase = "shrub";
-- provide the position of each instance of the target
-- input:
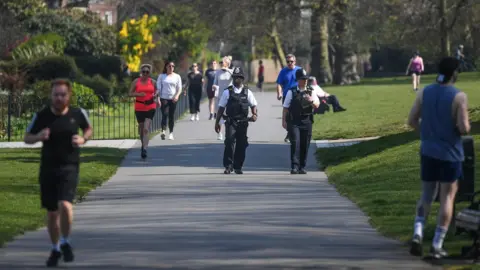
(40, 46)
(84, 96)
(52, 67)
(104, 65)
(100, 86)
(136, 39)
(84, 32)
(41, 89)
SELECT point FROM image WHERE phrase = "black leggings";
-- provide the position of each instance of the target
(194, 96)
(168, 113)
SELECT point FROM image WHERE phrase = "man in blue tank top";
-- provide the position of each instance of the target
(442, 109)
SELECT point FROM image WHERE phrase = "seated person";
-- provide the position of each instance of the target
(325, 97)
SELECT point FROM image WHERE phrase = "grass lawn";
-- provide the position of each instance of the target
(382, 176)
(379, 106)
(19, 191)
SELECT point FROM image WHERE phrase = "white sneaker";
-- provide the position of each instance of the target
(197, 117)
(170, 136)
(192, 118)
(220, 136)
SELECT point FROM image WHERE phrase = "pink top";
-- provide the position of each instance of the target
(417, 64)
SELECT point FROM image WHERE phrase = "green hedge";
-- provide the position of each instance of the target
(105, 66)
(100, 85)
(51, 67)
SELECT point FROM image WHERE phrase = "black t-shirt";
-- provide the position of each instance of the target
(195, 81)
(210, 75)
(58, 149)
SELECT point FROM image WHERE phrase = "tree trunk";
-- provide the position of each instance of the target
(276, 37)
(444, 29)
(278, 45)
(320, 65)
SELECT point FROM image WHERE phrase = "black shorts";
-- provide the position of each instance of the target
(210, 93)
(142, 115)
(415, 72)
(58, 184)
(435, 170)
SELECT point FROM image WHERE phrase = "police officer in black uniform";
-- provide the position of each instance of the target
(235, 102)
(297, 118)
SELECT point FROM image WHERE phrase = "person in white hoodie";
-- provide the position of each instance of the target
(223, 79)
(169, 85)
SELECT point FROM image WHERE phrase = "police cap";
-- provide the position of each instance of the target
(238, 72)
(301, 74)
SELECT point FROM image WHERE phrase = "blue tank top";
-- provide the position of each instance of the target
(440, 138)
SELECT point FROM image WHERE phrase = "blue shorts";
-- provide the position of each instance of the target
(436, 170)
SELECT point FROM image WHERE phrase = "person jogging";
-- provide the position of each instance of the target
(57, 127)
(443, 111)
(144, 90)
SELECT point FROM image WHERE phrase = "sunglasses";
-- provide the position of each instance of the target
(145, 71)
(290, 62)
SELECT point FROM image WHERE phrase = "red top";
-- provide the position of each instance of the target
(149, 90)
(260, 70)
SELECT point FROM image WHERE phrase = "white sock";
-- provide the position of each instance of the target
(440, 233)
(56, 246)
(418, 226)
(64, 240)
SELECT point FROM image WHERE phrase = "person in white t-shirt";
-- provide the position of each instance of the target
(223, 79)
(324, 96)
(169, 85)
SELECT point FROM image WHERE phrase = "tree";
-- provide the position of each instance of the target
(84, 32)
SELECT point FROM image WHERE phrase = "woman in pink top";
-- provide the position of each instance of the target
(415, 68)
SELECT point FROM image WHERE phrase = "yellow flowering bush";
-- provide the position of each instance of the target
(136, 39)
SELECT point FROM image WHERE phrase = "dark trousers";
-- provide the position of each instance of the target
(194, 97)
(168, 113)
(300, 136)
(332, 99)
(236, 143)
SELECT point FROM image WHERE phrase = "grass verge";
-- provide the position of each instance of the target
(379, 107)
(19, 191)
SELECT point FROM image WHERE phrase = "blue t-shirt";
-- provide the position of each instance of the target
(440, 138)
(210, 75)
(286, 78)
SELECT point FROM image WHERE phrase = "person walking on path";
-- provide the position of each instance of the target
(169, 85)
(415, 68)
(210, 77)
(300, 101)
(261, 76)
(57, 127)
(443, 111)
(144, 90)
(194, 88)
(235, 101)
(286, 79)
(223, 79)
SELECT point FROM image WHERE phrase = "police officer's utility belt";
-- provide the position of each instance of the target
(146, 102)
(231, 120)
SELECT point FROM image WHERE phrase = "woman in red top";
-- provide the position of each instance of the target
(144, 90)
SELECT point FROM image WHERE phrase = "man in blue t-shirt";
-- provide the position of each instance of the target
(286, 77)
(286, 80)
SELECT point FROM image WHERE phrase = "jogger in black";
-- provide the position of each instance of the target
(57, 127)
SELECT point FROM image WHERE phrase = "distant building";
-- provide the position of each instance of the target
(107, 10)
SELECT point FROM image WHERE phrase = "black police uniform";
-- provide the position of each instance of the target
(236, 125)
(299, 127)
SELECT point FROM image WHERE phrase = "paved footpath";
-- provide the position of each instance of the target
(177, 210)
